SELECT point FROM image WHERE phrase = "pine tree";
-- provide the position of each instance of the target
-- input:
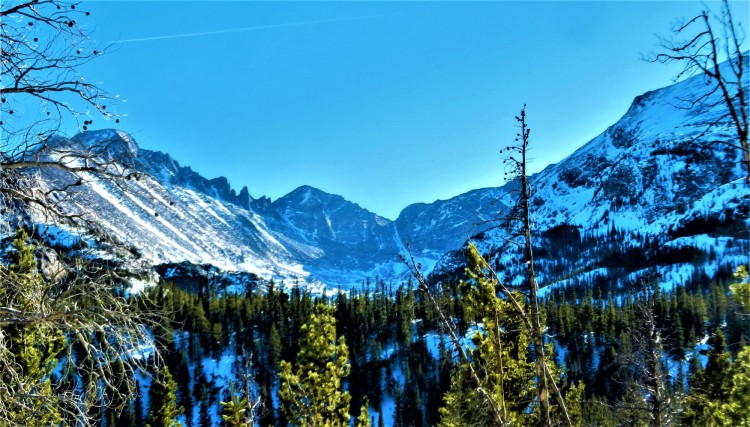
(492, 392)
(126, 417)
(501, 355)
(710, 387)
(32, 349)
(204, 416)
(643, 366)
(363, 420)
(716, 375)
(274, 346)
(247, 406)
(234, 411)
(505, 392)
(182, 378)
(163, 409)
(311, 389)
(596, 412)
(741, 289)
(736, 408)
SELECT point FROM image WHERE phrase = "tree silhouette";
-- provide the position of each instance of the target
(699, 45)
(42, 93)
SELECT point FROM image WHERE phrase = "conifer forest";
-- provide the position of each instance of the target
(610, 289)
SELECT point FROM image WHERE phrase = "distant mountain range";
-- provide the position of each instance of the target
(650, 184)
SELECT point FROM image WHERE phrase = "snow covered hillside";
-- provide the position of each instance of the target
(656, 184)
(655, 175)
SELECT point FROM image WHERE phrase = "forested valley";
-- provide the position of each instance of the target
(610, 289)
(402, 361)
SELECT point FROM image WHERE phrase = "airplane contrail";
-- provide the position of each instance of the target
(237, 30)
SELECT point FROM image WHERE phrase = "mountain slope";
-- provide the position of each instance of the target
(443, 225)
(172, 214)
(655, 183)
(654, 176)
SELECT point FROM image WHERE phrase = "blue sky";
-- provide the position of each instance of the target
(385, 103)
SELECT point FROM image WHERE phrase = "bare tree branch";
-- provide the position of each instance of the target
(98, 335)
(696, 46)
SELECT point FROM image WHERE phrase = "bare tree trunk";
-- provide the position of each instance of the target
(655, 383)
(536, 326)
(545, 379)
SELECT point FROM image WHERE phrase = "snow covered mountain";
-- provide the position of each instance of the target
(171, 214)
(655, 174)
(656, 184)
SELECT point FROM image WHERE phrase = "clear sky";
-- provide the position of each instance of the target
(384, 103)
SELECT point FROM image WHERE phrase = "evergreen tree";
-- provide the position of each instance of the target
(363, 420)
(125, 419)
(234, 411)
(311, 389)
(163, 409)
(715, 378)
(643, 366)
(741, 289)
(182, 378)
(274, 347)
(500, 351)
(204, 416)
(709, 388)
(736, 409)
(31, 349)
(597, 412)
(245, 408)
(495, 381)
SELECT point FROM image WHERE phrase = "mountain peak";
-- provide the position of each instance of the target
(112, 141)
(303, 189)
(307, 195)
